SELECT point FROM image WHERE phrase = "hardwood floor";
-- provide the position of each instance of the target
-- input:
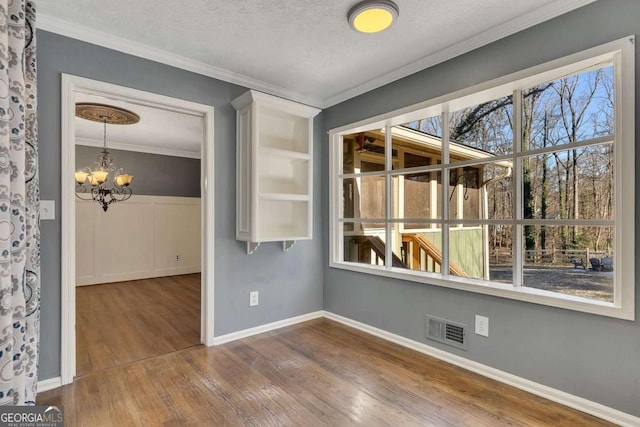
(312, 374)
(118, 323)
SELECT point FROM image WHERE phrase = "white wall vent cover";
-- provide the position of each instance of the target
(447, 332)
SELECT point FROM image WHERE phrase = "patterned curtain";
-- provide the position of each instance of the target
(19, 205)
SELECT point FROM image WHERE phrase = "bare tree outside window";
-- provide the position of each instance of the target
(559, 184)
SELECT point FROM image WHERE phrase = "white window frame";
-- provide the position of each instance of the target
(622, 53)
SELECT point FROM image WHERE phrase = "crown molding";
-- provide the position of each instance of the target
(110, 41)
(280, 103)
(523, 22)
(90, 35)
(125, 146)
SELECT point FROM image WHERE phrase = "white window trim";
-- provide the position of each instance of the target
(623, 307)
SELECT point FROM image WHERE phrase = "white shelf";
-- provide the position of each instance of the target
(276, 152)
(282, 130)
(283, 174)
(284, 197)
(283, 220)
(274, 170)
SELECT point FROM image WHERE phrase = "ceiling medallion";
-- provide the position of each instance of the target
(97, 112)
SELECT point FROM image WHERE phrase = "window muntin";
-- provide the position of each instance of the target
(592, 149)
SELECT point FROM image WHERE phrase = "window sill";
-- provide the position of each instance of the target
(531, 295)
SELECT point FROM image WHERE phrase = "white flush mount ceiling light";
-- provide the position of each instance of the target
(372, 16)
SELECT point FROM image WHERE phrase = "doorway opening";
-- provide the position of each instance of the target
(149, 260)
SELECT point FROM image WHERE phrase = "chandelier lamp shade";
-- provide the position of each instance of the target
(104, 181)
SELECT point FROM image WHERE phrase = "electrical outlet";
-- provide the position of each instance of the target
(178, 257)
(253, 298)
(482, 326)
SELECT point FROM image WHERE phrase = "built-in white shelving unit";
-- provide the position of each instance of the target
(274, 166)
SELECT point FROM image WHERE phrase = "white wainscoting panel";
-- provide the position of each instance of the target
(177, 236)
(124, 241)
(146, 236)
(85, 238)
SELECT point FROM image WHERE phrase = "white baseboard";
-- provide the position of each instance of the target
(567, 399)
(129, 277)
(49, 384)
(222, 339)
(575, 402)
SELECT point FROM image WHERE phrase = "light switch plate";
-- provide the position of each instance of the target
(47, 209)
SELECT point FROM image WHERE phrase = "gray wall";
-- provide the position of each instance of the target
(290, 283)
(153, 174)
(591, 356)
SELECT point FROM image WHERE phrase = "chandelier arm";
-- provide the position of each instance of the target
(121, 194)
(83, 193)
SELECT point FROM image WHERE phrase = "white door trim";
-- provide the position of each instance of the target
(70, 85)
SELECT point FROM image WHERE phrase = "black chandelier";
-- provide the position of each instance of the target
(104, 181)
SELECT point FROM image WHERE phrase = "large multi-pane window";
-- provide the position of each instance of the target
(522, 187)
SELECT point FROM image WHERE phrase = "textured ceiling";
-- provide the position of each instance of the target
(301, 48)
(158, 131)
